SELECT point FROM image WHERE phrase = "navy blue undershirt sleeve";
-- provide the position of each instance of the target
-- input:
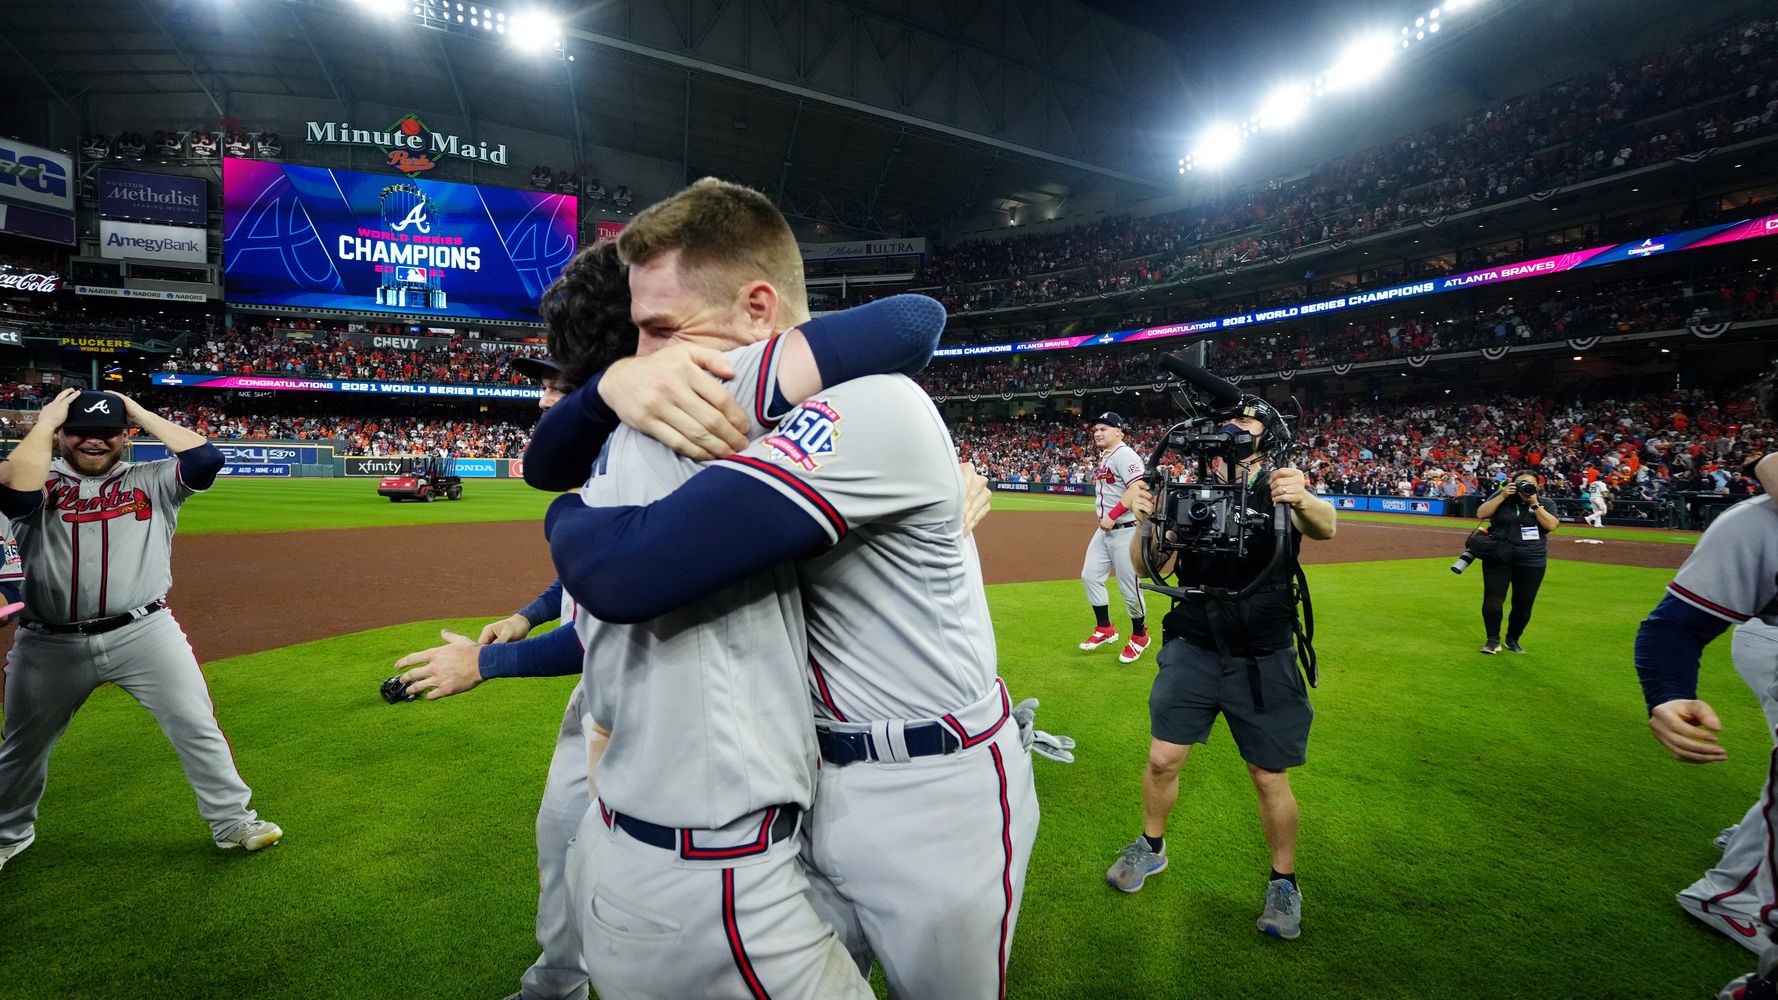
(887, 336)
(546, 607)
(597, 549)
(566, 442)
(19, 503)
(198, 466)
(12, 593)
(555, 653)
(1668, 646)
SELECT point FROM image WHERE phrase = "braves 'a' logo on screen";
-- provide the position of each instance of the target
(415, 217)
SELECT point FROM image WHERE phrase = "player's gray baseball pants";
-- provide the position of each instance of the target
(657, 925)
(921, 861)
(1108, 553)
(1730, 897)
(48, 678)
(559, 973)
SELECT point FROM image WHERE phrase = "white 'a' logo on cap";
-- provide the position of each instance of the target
(102, 405)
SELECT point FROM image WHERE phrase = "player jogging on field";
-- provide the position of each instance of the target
(1598, 502)
(1109, 550)
(95, 534)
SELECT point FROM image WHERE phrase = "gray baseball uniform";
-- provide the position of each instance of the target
(686, 882)
(1109, 551)
(96, 548)
(935, 829)
(559, 972)
(1733, 575)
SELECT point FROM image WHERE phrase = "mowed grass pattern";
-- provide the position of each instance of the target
(1474, 826)
(236, 505)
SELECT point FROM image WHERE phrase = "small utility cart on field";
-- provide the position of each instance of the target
(428, 478)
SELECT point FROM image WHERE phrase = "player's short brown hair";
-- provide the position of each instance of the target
(587, 311)
(726, 235)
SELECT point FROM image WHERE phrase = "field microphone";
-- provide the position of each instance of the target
(1223, 393)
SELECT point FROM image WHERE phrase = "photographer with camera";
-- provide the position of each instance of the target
(1230, 644)
(1520, 526)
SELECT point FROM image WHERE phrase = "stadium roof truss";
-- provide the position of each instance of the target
(885, 117)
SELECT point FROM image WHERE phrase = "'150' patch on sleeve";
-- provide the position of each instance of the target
(806, 432)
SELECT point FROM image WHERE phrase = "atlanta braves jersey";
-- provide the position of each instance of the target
(706, 705)
(100, 546)
(898, 618)
(1117, 469)
(1733, 572)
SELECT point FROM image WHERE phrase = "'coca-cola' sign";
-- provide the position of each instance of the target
(29, 281)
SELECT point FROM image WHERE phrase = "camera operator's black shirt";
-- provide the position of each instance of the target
(1507, 527)
(1262, 623)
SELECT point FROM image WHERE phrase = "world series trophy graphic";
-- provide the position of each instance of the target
(405, 209)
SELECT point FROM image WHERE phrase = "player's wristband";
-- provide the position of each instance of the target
(1116, 512)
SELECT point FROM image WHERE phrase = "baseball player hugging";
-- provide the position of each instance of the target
(1109, 550)
(95, 535)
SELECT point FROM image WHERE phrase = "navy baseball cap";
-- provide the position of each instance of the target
(536, 368)
(96, 411)
(1109, 419)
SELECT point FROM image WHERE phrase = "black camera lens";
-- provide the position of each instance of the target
(1527, 489)
(1200, 511)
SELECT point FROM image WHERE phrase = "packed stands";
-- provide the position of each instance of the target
(270, 350)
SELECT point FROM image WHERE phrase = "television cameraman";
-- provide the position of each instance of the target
(1520, 526)
(1234, 658)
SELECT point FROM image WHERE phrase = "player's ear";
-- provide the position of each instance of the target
(759, 301)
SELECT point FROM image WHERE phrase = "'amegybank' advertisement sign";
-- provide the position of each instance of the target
(143, 241)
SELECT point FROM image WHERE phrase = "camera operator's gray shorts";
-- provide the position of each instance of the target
(1192, 687)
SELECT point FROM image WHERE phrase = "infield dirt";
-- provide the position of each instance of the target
(244, 593)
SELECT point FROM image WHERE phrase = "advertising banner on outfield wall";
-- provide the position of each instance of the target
(188, 380)
(1433, 506)
(1543, 266)
(161, 244)
(36, 192)
(261, 471)
(394, 465)
(1051, 489)
(178, 201)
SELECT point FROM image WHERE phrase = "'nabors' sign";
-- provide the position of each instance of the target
(410, 146)
(29, 281)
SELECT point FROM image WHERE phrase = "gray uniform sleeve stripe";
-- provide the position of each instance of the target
(1733, 572)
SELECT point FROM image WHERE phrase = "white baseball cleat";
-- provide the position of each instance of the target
(253, 835)
(8, 853)
(1101, 635)
(1134, 649)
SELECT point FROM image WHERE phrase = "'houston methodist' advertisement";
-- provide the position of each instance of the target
(309, 237)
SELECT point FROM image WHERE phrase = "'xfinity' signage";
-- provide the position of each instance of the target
(165, 244)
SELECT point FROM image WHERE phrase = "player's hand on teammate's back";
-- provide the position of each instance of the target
(1688, 728)
(509, 629)
(977, 498)
(442, 671)
(673, 396)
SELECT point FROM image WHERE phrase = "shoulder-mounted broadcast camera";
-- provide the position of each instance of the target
(1198, 514)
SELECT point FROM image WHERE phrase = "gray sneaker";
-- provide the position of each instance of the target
(1283, 917)
(1134, 866)
(253, 835)
(10, 852)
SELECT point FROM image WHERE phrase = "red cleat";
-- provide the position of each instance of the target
(1101, 635)
(1134, 649)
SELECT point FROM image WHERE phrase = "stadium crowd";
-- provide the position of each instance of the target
(1686, 101)
(1617, 307)
(393, 434)
(1645, 448)
(324, 353)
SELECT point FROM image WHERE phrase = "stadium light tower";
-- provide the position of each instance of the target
(384, 8)
(1285, 106)
(1217, 147)
(1364, 60)
(534, 31)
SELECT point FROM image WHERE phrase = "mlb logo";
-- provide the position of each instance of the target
(417, 275)
(1346, 503)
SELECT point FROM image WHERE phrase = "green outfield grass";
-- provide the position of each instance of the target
(234, 505)
(1014, 501)
(1472, 826)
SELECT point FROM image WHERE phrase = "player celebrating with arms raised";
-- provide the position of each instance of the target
(95, 533)
(1109, 551)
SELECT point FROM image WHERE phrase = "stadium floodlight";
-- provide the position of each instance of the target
(1363, 61)
(535, 30)
(1285, 106)
(386, 8)
(1217, 146)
